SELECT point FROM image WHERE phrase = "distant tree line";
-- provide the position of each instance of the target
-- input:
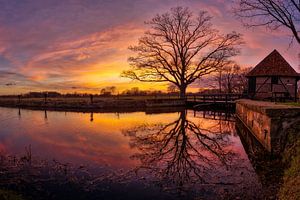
(231, 78)
(104, 92)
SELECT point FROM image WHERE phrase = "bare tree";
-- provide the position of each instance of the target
(172, 88)
(180, 48)
(231, 78)
(270, 13)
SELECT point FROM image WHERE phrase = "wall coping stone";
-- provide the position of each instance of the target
(271, 109)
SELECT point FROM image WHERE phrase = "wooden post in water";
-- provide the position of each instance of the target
(92, 117)
(45, 115)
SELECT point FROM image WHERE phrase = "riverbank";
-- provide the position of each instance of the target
(280, 173)
(291, 158)
(269, 122)
(276, 128)
(99, 105)
(109, 104)
(73, 104)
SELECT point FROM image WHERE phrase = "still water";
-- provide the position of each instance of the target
(176, 155)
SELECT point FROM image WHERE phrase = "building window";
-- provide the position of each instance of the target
(274, 80)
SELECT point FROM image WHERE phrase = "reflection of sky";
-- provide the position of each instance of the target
(82, 45)
(72, 137)
(102, 143)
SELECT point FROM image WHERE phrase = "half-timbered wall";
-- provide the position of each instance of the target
(290, 84)
(267, 86)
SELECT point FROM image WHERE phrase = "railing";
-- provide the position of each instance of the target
(215, 115)
(194, 99)
(227, 98)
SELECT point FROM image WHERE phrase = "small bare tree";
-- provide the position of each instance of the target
(172, 88)
(270, 13)
(110, 90)
(180, 48)
(231, 78)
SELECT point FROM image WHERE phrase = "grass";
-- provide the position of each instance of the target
(83, 104)
(292, 104)
(41, 179)
(9, 195)
(73, 103)
(87, 99)
(291, 157)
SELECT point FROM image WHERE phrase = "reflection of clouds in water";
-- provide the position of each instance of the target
(68, 137)
(183, 155)
(176, 150)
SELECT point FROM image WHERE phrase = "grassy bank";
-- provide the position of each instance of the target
(291, 158)
(278, 173)
(80, 104)
(42, 179)
(71, 103)
(9, 195)
(292, 104)
(98, 104)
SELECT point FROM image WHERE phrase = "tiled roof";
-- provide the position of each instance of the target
(273, 65)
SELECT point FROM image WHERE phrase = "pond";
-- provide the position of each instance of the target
(139, 155)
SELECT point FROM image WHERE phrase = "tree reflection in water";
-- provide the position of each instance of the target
(182, 154)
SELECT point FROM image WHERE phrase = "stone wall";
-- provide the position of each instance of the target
(269, 122)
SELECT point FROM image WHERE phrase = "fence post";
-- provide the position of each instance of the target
(19, 99)
(91, 98)
(45, 98)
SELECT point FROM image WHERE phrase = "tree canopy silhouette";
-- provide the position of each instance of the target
(180, 48)
(270, 13)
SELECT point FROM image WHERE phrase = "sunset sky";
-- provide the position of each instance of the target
(82, 45)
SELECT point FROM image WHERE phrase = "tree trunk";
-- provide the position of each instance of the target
(182, 92)
(220, 82)
(229, 89)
